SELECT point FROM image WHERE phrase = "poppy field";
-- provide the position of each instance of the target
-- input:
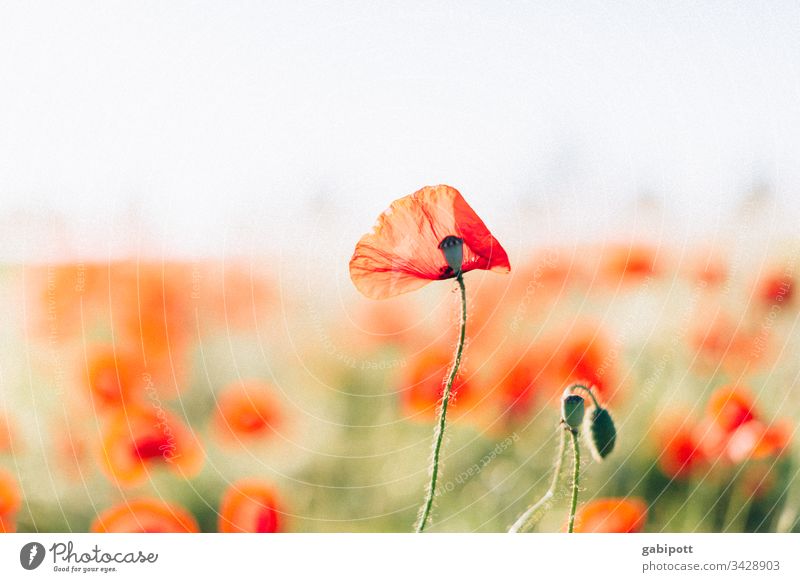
(443, 384)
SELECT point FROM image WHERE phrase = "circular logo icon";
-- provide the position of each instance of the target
(31, 555)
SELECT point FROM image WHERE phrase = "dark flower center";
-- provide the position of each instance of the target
(151, 447)
(452, 248)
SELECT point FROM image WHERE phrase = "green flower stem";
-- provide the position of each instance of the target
(531, 517)
(576, 474)
(438, 435)
(589, 391)
(735, 516)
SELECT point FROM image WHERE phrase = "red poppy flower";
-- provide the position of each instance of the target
(423, 385)
(722, 342)
(249, 506)
(10, 502)
(632, 263)
(150, 304)
(404, 251)
(682, 448)
(137, 439)
(152, 315)
(246, 411)
(586, 357)
(730, 407)
(612, 515)
(555, 269)
(775, 289)
(145, 516)
(754, 441)
(112, 378)
(66, 298)
(516, 380)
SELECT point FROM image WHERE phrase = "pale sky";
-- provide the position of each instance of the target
(207, 127)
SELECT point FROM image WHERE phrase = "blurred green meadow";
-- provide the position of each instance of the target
(234, 375)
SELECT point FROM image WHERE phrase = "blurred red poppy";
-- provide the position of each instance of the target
(151, 311)
(612, 515)
(730, 407)
(681, 447)
(246, 411)
(555, 269)
(755, 440)
(395, 321)
(776, 288)
(137, 439)
(707, 268)
(735, 431)
(403, 252)
(630, 263)
(67, 298)
(7, 525)
(152, 307)
(249, 506)
(9, 439)
(112, 377)
(423, 385)
(145, 516)
(585, 356)
(515, 381)
(10, 502)
(723, 342)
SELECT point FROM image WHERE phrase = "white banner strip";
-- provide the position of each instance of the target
(355, 557)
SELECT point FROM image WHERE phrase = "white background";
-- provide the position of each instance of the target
(208, 128)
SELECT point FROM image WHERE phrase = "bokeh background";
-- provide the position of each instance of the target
(182, 186)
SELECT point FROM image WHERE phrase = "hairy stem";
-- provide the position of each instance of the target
(438, 435)
(576, 474)
(533, 514)
(589, 391)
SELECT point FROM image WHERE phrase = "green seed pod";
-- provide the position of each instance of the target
(572, 410)
(452, 248)
(601, 432)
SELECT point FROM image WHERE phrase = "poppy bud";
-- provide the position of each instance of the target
(602, 433)
(572, 410)
(452, 248)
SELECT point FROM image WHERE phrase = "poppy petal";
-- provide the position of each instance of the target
(145, 516)
(612, 515)
(136, 440)
(402, 252)
(246, 411)
(10, 497)
(249, 506)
